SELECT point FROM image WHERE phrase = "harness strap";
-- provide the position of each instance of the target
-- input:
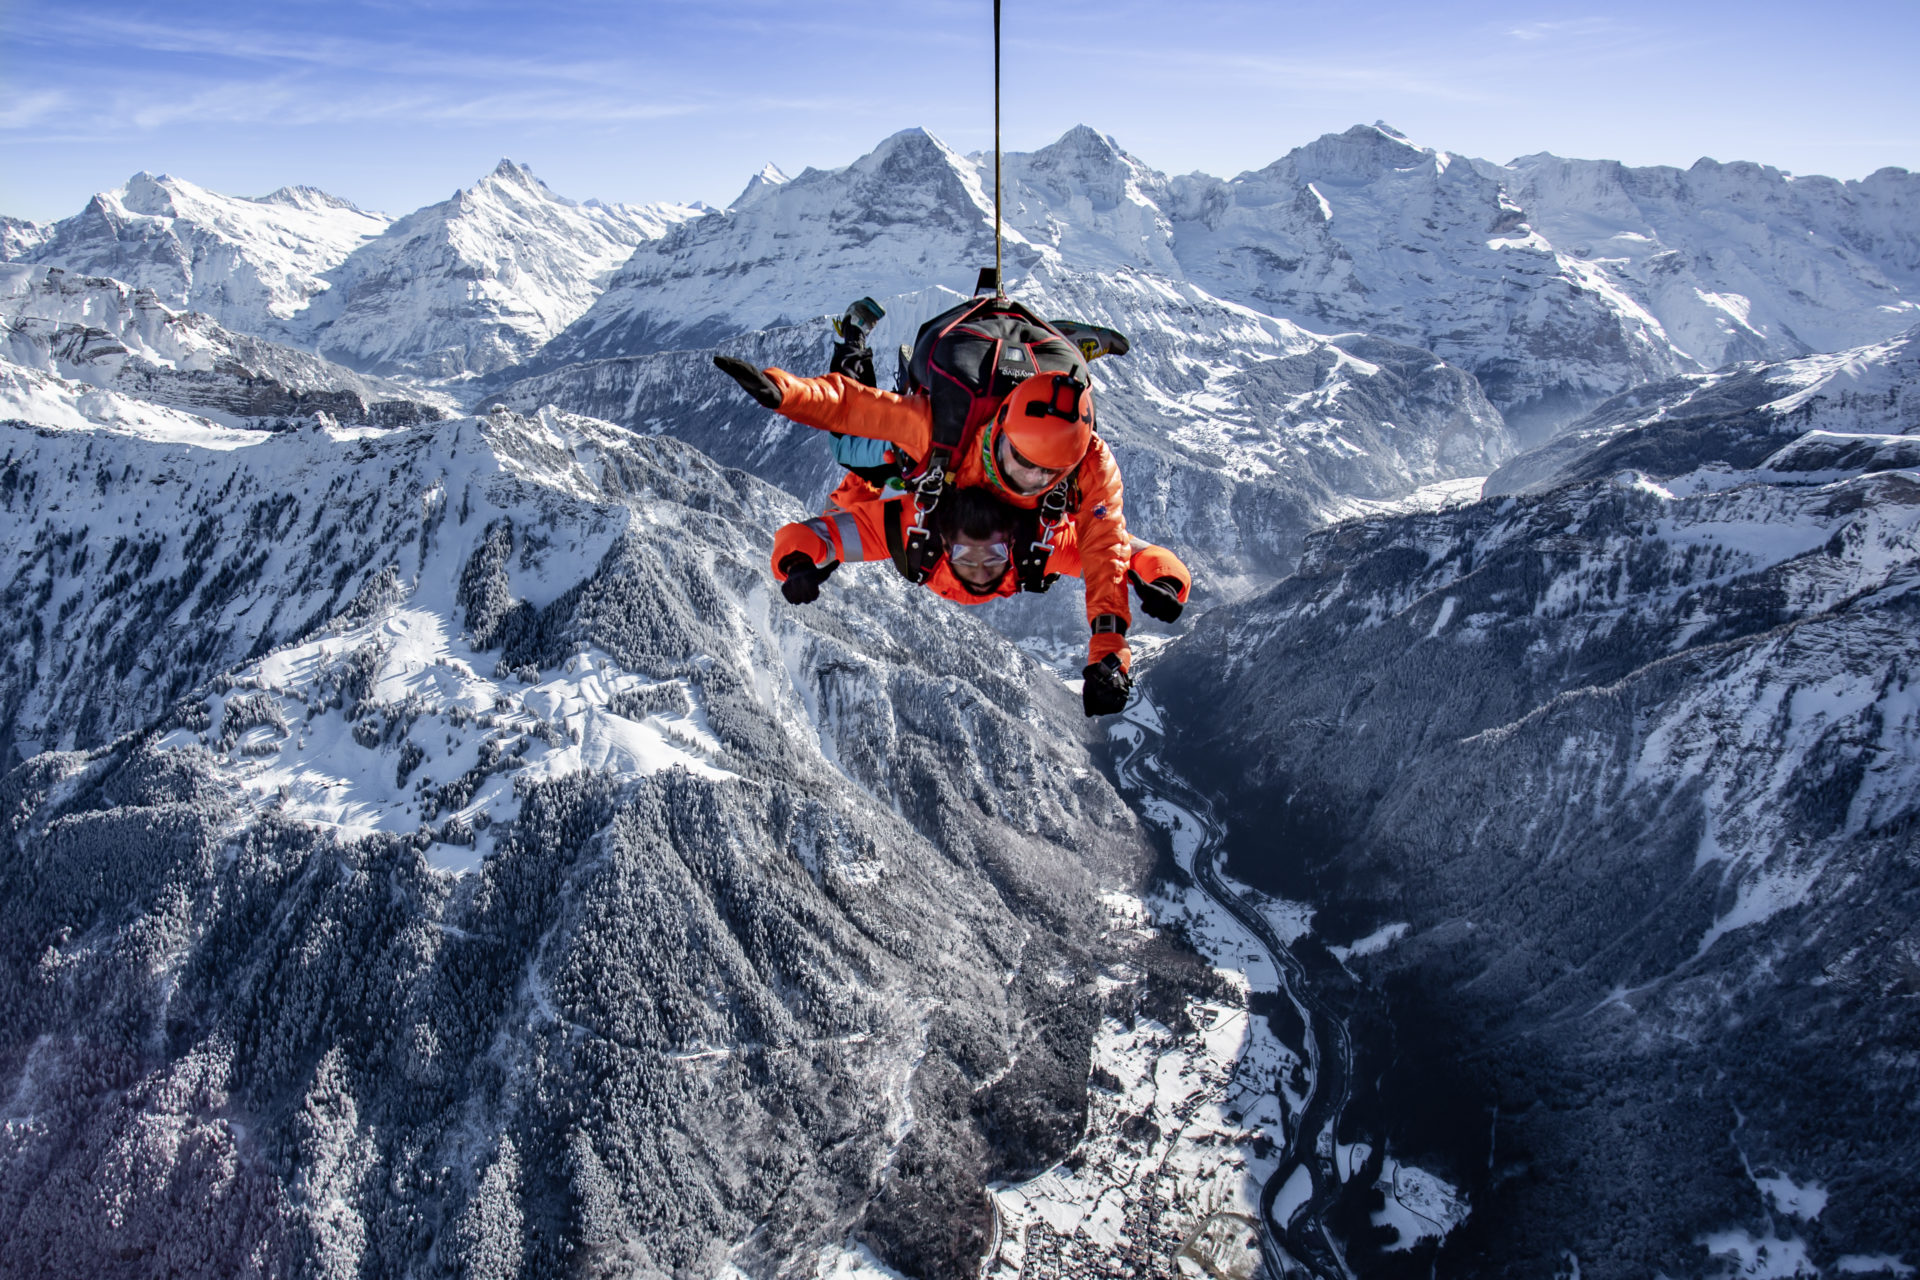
(1109, 623)
(914, 548)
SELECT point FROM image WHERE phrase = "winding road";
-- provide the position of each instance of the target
(1327, 1050)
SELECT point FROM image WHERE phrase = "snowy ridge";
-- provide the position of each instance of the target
(99, 331)
(479, 281)
(250, 264)
(1738, 261)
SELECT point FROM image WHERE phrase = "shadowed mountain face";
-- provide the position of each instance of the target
(769, 919)
(1739, 418)
(1632, 764)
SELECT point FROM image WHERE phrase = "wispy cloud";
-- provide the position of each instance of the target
(29, 110)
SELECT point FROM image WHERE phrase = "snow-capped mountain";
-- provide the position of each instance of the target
(98, 331)
(1616, 786)
(1237, 432)
(775, 924)
(908, 216)
(1364, 230)
(248, 263)
(1368, 230)
(770, 175)
(1736, 417)
(1737, 261)
(479, 281)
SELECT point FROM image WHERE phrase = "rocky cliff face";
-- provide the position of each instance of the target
(490, 878)
(99, 332)
(1618, 781)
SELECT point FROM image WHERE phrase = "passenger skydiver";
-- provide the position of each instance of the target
(987, 550)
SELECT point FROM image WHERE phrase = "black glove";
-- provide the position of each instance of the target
(802, 585)
(751, 380)
(1160, 598)
(1106, 686)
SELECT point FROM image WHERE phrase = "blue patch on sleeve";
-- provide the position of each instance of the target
(857, 451)
(1100, 512)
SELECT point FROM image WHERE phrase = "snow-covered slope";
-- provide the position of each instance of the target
(908, 216)
(778, 924)
(248, 263)
(479, 281)
(18, 237)
(1736, 417)
(99, 331)
(1737, 261)
(1628, 771)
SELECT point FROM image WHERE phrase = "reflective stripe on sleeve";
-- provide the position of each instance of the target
(821, 529)
(849, 529)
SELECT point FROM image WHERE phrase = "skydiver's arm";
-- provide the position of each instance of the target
(1105, 550)
(856, 534)
(838, 403)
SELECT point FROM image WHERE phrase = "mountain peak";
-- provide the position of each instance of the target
(518, 174)
(305, 197)
(1085, 140)
(769, 177)
(150, 194)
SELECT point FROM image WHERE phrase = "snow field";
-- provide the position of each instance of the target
(311, 761)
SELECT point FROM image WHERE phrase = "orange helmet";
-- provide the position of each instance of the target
(1048, 419)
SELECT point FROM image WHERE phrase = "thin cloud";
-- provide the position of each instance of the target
(30, 110)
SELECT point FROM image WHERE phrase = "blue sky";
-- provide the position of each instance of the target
(393, 104)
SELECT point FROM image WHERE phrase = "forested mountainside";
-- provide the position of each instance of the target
(779, 927)
(1619, 780)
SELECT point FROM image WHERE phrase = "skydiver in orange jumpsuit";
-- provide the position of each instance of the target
(1041, 433)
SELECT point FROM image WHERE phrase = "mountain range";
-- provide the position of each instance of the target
(434, 848)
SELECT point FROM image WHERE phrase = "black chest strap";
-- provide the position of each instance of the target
(915, 548)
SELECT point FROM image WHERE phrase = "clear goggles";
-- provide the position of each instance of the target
(979, 555)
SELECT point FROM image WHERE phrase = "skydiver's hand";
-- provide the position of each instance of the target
(802, 583)
(1105, 687)
(1160, 598)
(751, 380)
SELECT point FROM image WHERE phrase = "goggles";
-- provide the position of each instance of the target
(979, 555)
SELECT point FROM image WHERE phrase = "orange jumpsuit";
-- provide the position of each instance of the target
(836, 402)
(858, 532)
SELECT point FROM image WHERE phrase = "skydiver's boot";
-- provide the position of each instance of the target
(870, 462)
(851, 355)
